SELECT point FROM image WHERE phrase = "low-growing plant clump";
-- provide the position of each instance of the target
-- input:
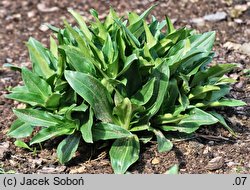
(125, 81)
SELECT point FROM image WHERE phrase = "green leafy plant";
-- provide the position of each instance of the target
(120, 80)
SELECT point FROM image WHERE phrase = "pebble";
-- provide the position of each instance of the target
(198, 21)
(231, 46)
(8, 60)
(51, 170)
(155, 161)
(238, 21)
(3, 149)
(218, 16)
(42, 8)
(207, 150)
(245, 48)
(43, 28)
(31, 14)
(211, 143)
(230, 164)
(78, 170)
(215, 163)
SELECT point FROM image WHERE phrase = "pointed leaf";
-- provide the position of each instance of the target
(40, 59)
(20, 129)
(67, 148)
(228, 102)
(82, 24)
(36, 117)
(199, 117)
(105, 131)
(22, 144)
(35, 84)
(164, 145)
(124, 112)
(93, 92)
(170, 26)
(123, 153)
(53, 131)
(27, 97)
(78, 61)
(222, 122)
(86, 128)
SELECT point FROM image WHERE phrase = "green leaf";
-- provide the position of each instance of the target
(128, 61)
(203, 42)
(35, 84)
(48, 133)
(67, 148)
(53, 100)
(214, 71)
(222, 122)
(82, 24)
(93, 92)
(199, 90)
(36, 117)
(27, 97)
(227, 102)
(12, 67)
(87, 127)
(144, 94)
(124, 112)
(170, 26)
(168, 118)
(53, 47)
(161, 74)
(199, 117)
(173, 170)
(20, 129)
(78, 61)
(139, 128)
(151, 41)
(22, 144)
(105, 131)
(123, 153)
(40, 59)
(183, 128)
(133, 39)
(164, 145)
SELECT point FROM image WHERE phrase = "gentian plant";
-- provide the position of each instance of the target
(122, 81)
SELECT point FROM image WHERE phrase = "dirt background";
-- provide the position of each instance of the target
(211, 150)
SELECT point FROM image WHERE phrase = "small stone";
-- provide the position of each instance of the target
(21, 106)
(42, 8)
(245, 48)
(51, 170)
(10, 27)
(4, 149)
(239, 86)
(215, 163)
(230, 164)
(155, 161)
(207, 150)
(8, 60)
(43, 28)
(218, 16)
(31, 14)
(78, 170)
(211, 143)
(198, 21)
(238, 21)
(231, 46)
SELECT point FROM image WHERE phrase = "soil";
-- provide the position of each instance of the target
(210, 150)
